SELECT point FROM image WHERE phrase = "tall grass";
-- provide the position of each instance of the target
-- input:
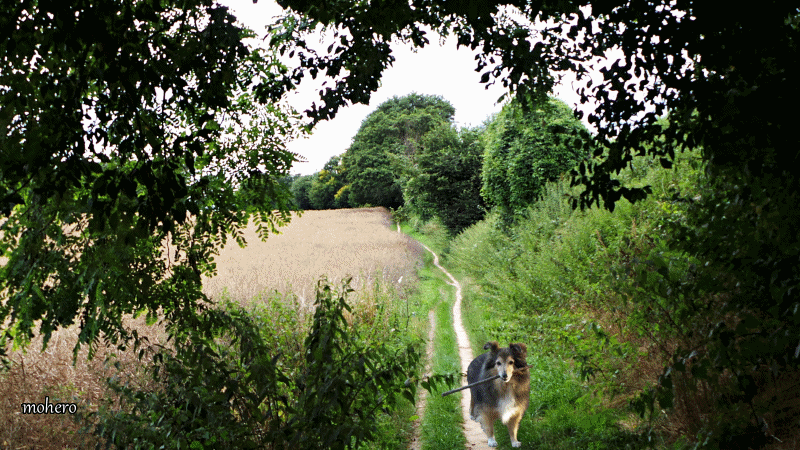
(554, 279)
(357, 243)
(36, 375)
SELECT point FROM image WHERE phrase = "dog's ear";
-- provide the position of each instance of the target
(494, 349)
(493, 345)
(519, 350)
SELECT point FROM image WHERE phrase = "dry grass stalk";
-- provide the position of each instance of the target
(37, 374)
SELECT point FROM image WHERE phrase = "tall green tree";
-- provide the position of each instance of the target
(300, 188)
(447, 180)
(387, 143)
(526, 148)
(132, 148)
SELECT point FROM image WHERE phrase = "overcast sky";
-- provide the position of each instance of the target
(434, 70)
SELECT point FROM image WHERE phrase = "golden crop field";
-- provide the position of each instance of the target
(336, 243)
(354, 242)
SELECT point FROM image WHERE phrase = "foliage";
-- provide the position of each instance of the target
(226, 385)
(300, 190)
(702, 67)
(613, 294)
(326, 185)
(447, 181)
(361, 34)
(525, 148)
(376, 164)
(208, 394)
(740, 232)
(128, 128)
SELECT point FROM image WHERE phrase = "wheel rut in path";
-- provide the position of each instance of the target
(476, 439)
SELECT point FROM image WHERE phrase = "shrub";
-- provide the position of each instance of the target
(224, 384)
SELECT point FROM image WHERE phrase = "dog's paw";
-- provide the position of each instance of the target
(492, 442)
(516, 444)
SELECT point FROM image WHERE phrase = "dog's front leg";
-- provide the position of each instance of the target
(513, 427)
(488, 427)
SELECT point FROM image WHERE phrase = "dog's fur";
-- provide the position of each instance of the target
(505, 398)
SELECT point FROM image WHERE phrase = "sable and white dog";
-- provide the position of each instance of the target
(505, 398)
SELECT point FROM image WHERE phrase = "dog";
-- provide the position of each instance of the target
(505, 398)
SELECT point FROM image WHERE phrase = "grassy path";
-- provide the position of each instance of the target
(476, 439)
(448, 336)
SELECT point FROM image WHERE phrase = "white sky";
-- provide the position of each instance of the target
(434, 70)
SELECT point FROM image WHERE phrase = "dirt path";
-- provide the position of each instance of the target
(476, 439)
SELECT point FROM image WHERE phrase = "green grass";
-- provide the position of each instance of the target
(441, 421)
(441, 425)
(563, 412)
(396, 430)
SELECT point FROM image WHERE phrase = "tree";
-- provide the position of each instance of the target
(132, 148)
(447, 183)
(326, 184)
(386, 144)
(712, 71)
(526, 148)
(300, 189)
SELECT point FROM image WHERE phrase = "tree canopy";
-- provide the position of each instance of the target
(385, 145)
(132, 148)
(712, 70)
(446, 181)
(527, 148)
(326, 185)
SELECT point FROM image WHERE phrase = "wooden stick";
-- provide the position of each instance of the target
(470, 385)
(486, 380)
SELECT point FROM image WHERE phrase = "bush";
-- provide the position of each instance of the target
(225, 384)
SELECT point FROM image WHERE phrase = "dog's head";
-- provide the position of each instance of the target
(507, 360)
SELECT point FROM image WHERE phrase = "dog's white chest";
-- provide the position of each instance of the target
(508, 408)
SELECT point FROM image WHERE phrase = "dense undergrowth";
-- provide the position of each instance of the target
(606, 301)
(268, 377)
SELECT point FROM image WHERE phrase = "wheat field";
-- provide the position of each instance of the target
(353, 242)
(360, 243)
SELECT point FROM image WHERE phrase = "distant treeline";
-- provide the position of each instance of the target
(409, 155)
